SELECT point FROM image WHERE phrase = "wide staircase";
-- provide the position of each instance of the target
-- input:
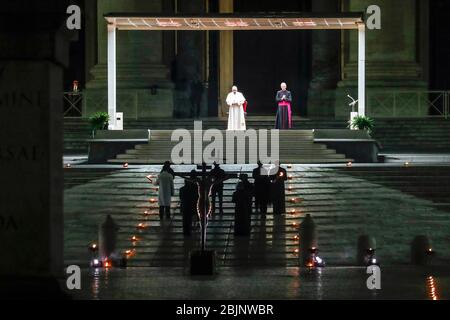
(422, 135)
(295, 146)
(392, 204)
(394, 134)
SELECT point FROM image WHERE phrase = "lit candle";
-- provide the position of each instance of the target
(153, 200)
(125, 165)
(296, 251)
(296, 238)
(134, 239)
(68, 165)
(130, 253)
(141, 226)
(107, 264)
(93, 247)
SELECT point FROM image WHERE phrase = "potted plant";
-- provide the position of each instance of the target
(98, 121)
(363, 123)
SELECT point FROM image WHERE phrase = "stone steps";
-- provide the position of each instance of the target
(395, 134)
(295, 146)
(344, 203)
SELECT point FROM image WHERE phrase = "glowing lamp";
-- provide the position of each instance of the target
(68, 165)
(107, 263)
(296, 251)
(134, 239)
(75, 86)
(93, 247)
(129, 253)
(293, 211)
(153, 200)
(290, 177)
(141, 226)
(314, 260)
(296, 238)
(290, 188)
(295, 224)
(406, 164)
(125, 165)
(96, 263)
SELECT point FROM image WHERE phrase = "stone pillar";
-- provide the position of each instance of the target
(140, 66)
(225, 60)
(31, 103)
(325, 65)
(190, 91)
(392, 61)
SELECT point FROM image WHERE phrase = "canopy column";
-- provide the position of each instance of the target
(361, 69)
(112, 90)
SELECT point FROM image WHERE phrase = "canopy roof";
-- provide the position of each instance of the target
(235, 21)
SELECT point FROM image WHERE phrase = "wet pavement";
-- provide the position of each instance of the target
(401, 282)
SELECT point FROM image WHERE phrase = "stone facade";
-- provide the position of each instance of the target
(141, 66)
(176, 63)
(394, 60)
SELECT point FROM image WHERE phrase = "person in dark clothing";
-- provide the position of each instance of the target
(196, 97)
(248, 187)
(242, 217)
(284, 113)
(262, 189)
(278, 191)
(188, 205)
(217, 174)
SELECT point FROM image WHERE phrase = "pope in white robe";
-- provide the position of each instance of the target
(236, 116)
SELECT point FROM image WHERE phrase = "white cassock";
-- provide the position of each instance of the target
(236, 117)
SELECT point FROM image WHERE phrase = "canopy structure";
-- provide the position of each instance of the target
(230, 22)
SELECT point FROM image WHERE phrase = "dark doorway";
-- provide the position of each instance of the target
(439, 45)
(264, 59)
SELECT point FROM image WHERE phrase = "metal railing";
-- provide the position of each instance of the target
(408, 104)
(73, 103)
